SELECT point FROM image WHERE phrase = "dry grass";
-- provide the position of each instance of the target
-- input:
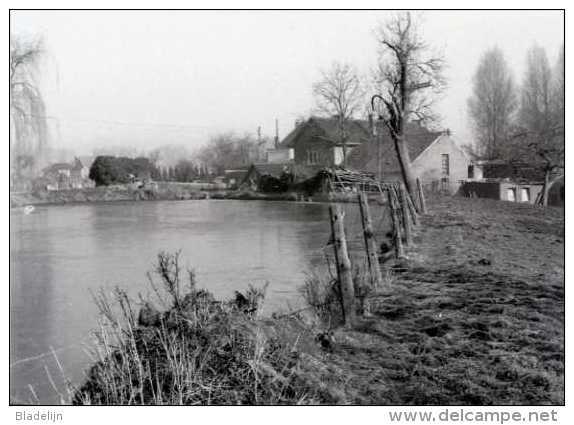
(201, 351)
(477, 318)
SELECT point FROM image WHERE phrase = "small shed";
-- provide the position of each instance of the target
(268, 177)
(233, 178)
(503, 189)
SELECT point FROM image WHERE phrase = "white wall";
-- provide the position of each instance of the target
(280, 155)
(338, 155)
(428, 165)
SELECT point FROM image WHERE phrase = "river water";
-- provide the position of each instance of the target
(60, 253)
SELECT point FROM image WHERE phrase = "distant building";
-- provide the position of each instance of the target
(508, 181)
(233, 178)
(258, 174)
(317, 141)
(62, 176)
(87, 161)
(436, 158)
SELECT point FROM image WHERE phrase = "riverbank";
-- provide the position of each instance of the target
(164, 192)
(477, 318)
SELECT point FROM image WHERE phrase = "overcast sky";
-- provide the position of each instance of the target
(144, 79)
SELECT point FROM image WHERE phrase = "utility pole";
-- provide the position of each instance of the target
(377, 138)
(379, 141)
(258, 151)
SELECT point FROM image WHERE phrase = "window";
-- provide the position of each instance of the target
(312, 157)
(525, 194)
(511, 194)
(445, 164)
(471, 171)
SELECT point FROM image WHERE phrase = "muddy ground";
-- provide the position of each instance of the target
(477, 318)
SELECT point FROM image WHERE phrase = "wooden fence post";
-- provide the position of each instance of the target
(413, 210)
(397, 236)
(406, 218)
(346, 287)
(421, 197)
(370, 245)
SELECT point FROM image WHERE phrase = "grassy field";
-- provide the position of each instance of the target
(477, 318)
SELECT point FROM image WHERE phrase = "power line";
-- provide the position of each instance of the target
(123, 123)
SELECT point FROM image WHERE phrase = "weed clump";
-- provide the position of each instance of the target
(197, 350)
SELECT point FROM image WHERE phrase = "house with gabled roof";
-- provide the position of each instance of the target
(437, 159)
(62, 175)
(317, 141)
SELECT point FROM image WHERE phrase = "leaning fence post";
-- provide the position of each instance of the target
(370, 245)
(406, 218)
(421, 197)
(343, 265)
(397, 236)
(412, 210)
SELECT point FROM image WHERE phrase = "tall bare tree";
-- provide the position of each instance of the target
(535, 112)
(558, 92)
(493, 103)
(27, 110)
(540, 136)
(409, 75)
(340, 93)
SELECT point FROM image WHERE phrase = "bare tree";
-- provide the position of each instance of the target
(558, 91)
(540, 136)
(27, 110)
(340, 93)
(227, 151)
(535, 112)
(409, 76)
(493, 103)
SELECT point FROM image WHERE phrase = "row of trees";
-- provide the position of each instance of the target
(407, 78)
(228, 151)
(525, 123)
(185, 170)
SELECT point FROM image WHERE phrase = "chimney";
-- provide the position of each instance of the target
(276, 133)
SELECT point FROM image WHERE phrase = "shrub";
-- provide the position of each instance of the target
(107, 170)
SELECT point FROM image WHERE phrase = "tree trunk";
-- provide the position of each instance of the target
(406, 171)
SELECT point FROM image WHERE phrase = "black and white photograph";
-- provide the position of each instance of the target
(287, 207)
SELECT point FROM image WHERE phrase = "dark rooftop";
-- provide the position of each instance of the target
(364, 157)
(328, 129)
